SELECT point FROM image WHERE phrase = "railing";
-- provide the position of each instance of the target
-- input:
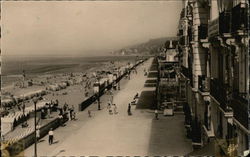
(182, 40)
(224, 22)
(184, 71)
(190, 35)
(219, 92)
(213, 28)
(204, 83)
(239, 17)
(239, 105)
(230, 21)
(203, 32)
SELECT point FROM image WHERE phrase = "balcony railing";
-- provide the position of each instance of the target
(204, 83)
(231, 21)
(190, 35)
(224, 22)
(203, 31)
(213, 28)
(239, 17)
(182, 40)
(219, 92)
(239, 105)
(184, 71)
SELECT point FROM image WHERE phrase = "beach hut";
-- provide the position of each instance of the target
(70, 82)
(6, 125)
(53, 87)
(62, 85)
(6, 103)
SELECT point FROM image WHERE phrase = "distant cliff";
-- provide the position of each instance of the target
(148, 48)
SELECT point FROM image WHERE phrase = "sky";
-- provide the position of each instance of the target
(84, 28)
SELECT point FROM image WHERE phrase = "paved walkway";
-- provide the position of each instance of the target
(119, 134)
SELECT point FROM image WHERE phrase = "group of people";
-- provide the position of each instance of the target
(66, 113)
(112, 108)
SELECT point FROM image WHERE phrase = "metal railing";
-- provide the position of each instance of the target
(239, 105)
(219, 92)
(203, 32)
(239, 17)
(204, 83)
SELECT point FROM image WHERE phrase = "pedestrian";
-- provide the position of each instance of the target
(74, 115)
(70, 114)
(89, 113)
(60, 119)
(109, 108)
(23, 108)
(51, 136)
(115, 109)
(65, 107)
(156, 114)
(38, 133)
(129, 109)
(49, 110)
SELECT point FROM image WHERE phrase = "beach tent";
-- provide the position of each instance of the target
(70, 82)
(62, 85)
(53, 87)
(110, 78)
(8, 102)
(6, 125)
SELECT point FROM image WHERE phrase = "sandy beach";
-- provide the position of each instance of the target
(70, 85)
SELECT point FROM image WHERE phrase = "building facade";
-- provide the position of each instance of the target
(214, 61)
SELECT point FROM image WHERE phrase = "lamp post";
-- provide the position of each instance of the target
(35, 148)
(119, 75)
(99, 105)
(97, 91)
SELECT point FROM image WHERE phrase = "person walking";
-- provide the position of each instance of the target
(129, 110)
(38, 133)
(156, 114)
(109, 108)
(60, 119)
(89, 113)
(51, 136)
(115, 108)
(49, 110)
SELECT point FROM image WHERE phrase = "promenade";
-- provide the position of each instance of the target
(119, 134)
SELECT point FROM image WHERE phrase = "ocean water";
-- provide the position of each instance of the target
(12, 67)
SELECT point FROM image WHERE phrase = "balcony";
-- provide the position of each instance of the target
(239, 105)
(219, 92)
(239, 18)
(203, 31)
(213, 28)
(204, 83)
(185, 72)
(182, 40)
(190, 35)
(224, 22)
(221, 25)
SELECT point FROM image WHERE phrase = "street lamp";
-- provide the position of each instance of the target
(97, 92)
(35, 149)
(99, 105)
(119, 75)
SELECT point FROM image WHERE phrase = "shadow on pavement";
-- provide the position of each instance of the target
(152, 74)
(168, 136)
(146, 100)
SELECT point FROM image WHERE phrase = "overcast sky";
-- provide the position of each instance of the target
(94, 27)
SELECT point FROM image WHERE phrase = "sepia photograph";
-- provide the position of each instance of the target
(124, 78)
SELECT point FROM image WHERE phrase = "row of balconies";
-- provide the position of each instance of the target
(232, 21)
(221, 93)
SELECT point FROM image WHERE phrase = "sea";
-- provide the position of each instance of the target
(13, 66)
